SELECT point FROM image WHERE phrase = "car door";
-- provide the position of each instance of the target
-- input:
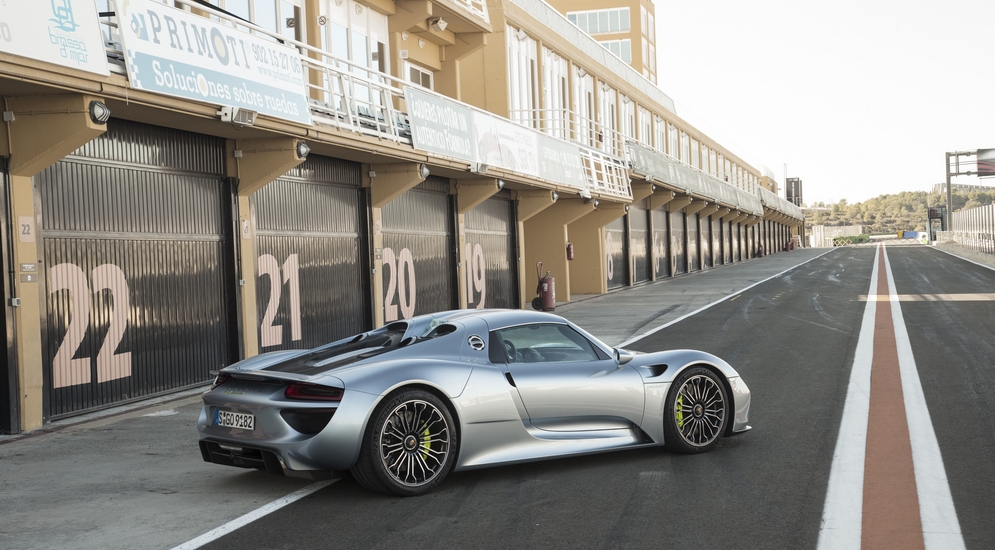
(565, 383)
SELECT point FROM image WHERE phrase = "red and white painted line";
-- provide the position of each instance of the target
(887, 487)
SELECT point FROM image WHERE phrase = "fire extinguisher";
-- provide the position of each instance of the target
(545, 299)
(570, 251)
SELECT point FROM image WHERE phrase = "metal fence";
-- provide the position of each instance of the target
(974, 228)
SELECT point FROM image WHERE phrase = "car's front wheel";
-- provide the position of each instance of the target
(409, 446)
(696, 413)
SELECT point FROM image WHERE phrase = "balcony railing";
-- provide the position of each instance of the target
(352, 97)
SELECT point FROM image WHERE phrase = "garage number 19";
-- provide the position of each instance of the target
(67, 371)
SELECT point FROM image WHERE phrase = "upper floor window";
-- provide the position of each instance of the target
(523, 77)
(601, 21)
(419, 76)
(621, 48)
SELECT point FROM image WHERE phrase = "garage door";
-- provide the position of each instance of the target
(8, 371)
(639, 242)
(716, 241)
(491, 260)
(677, 242)
(616, 267)
(661, 243)
(309, 232)
(419, 267)
(134, 229)
(706, 243)
(693, 242)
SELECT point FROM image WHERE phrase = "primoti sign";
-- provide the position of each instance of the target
(176, 53)
(63, 32)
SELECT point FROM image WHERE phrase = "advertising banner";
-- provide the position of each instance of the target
(176, 53)
(63, 32)
(986, 162)
(504, 144)
(448, 128)
(439, 126)
(561, 162)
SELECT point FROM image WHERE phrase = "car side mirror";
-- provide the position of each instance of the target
(622, 356)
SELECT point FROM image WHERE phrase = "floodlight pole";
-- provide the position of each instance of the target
(950, 208)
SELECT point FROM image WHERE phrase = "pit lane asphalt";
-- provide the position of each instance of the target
(792, 338)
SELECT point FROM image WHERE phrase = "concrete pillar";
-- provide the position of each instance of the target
(43, 130)
(588, 275)
(545, 238)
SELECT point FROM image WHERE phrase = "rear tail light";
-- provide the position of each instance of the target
(313, 392)
(221, 379)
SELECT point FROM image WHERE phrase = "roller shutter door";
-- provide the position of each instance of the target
(639, 243)
(489, 255)
(706, 244)
(680, 261)
(661, 242)
(726, 243)
(736, 243)
(419, 267)
(716, 241)
(311, 285)
(693, 258)
(135, 229)
(616, 266)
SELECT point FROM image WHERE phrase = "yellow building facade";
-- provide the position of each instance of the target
(190, 183)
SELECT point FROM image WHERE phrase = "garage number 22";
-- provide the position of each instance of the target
(67, 371)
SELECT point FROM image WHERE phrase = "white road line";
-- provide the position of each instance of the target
(719, 301)
(842, 512)
(940, 528)
(253, 516)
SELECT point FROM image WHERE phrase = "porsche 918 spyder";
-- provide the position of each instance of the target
(404, 405)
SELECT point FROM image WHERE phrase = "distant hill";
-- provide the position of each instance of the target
(905, 211)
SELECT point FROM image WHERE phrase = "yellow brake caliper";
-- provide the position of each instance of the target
(679, 413)
(426, 440)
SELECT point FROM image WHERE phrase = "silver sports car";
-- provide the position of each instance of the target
(403, 405)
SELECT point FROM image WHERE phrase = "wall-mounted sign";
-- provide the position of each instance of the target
(63, 32)
(440, 125)
(184, 55)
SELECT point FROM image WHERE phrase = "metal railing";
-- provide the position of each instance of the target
(352, 97)
(973, 228)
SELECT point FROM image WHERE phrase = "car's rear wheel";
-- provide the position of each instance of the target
(409, 447)
(696, 412)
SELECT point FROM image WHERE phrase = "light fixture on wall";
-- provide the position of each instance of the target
(99, 112)
(438, 24)
(478, 168)
(302, 150)
(423, 171)
(520, 34)
(594, 202)
(237, 117)
(555, 196)
(500, 184)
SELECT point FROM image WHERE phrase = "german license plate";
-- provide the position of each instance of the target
(227, 419)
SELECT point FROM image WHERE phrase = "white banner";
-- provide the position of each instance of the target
(173, 52)
(63, 32)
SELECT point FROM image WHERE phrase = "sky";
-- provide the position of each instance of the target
(858, 98)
